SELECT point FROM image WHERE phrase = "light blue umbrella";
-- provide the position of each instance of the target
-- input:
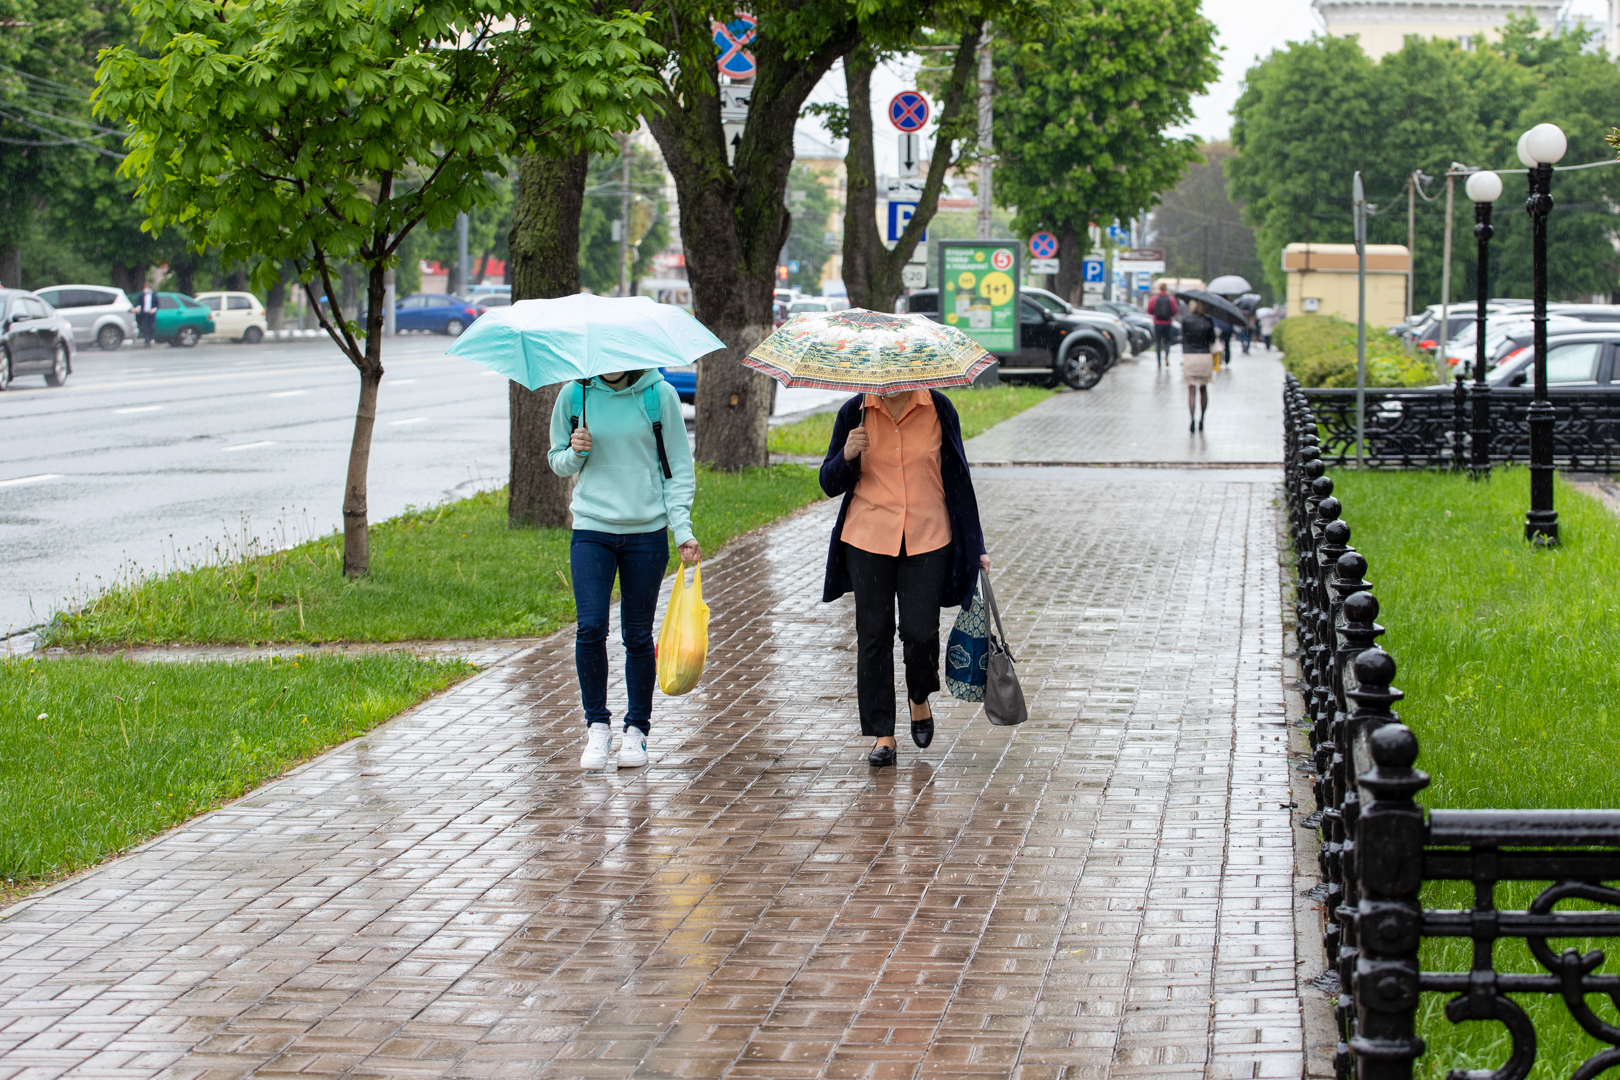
(540, 342)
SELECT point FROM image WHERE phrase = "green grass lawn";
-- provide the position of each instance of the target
(99, 754)
(980, 410)
(454, 571)
(1508, 656)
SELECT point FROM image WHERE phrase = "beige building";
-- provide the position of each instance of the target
(1322, 281)
(1383, 24)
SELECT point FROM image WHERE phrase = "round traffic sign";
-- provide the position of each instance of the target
(1002, 259)
(729, 41)
(1043, 245)
(908, 111)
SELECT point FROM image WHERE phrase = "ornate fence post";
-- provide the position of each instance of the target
(1388, 870)
(1459, 422)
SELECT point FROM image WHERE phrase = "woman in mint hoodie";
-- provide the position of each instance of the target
(624, 437)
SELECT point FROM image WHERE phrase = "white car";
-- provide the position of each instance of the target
(98, 313)
(237, 315)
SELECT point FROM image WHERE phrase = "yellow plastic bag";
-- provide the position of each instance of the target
(683, 640)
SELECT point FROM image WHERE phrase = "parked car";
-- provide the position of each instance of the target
(435, 312)
(237, 315)
(489, 296)
(181, 320)
(1118, 332)
(98, 313)
(34, 339)
(684, 380)
(800, 307)
(1578, 359)
(1139, 323)
(1053, 347)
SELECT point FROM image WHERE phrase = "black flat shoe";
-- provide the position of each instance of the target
(880, 756)
(922, 731)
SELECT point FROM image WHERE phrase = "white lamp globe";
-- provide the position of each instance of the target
(1484, 187)
(1546, 143)
(1524, 151)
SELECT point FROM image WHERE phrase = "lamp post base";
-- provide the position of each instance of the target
(1541, 528)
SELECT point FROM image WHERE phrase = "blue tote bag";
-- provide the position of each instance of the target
(967, 651)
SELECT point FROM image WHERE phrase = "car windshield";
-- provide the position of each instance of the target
(1050, 303)
(800, 306)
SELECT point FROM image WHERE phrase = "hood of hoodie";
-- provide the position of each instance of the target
(636, 385)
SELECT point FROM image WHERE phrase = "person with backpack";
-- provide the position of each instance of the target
(1163, 310)
(623, 436)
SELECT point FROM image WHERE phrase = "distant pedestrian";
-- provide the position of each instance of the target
(1197, 363)
(908, 533)
(1163, 309)
(146, 314)
(635, 486)
(1269, 318)
(1223, 330)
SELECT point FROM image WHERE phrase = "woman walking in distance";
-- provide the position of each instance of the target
(1197, 365)
(623, 436)
(907, 534)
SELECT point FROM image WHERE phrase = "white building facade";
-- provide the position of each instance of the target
(1383, 25)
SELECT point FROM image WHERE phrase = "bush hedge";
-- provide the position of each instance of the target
(1321, 351)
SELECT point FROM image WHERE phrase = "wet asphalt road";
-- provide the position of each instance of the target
(144, 448)
(144, 452)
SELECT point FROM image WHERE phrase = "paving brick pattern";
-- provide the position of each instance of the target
(1101, 892)
(1138, 415)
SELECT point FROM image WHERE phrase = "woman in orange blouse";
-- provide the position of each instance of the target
(907, 534)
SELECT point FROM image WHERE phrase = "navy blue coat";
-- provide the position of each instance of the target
(838, 477)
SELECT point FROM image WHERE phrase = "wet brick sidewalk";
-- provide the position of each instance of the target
(1101, 892)
(1138, 415)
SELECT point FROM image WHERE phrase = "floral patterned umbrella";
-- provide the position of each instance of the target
(868, 352)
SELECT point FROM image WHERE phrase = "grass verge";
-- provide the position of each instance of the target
(1507, 656)
(454, 571)
(980, 410)
(97, 755)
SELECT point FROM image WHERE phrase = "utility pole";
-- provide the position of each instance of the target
(461, 255)
(1611, 31)
(1358, 199)
(1445, 271)
(986, 137)
(1411, 239)
(624, 216)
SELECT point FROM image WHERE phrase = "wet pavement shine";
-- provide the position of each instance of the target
(1102, 892)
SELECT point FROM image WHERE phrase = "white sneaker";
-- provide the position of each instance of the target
(598, 744)
(633, 751)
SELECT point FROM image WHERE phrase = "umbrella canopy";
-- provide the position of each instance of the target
(868, 352)
(1217, 305)
(539, 342)
(1229, 285)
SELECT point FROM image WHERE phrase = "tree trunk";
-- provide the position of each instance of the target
(734, 223)
(543, 263)
(356, 526)
(11, 269)
(184, 270)
(872, 271)
(1072, 247)
(275, 303)
(129, 278)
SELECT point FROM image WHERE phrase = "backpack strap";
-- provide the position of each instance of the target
(655, 413)
(579, 406)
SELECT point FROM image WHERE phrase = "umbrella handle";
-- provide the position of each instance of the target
(574, 422)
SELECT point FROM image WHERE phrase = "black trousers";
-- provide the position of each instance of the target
(917, 583)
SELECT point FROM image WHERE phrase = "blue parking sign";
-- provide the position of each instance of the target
(899, 217)
(1091, 271)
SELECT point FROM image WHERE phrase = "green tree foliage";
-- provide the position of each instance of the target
(488, 227)
(1313, 113)
(1201, 229)
(325, 131)
(1083, 110)
(604, 188)
(812, 242)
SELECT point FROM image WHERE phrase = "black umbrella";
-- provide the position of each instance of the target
(1215, 304)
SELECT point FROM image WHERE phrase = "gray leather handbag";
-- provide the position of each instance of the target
(1003, 697)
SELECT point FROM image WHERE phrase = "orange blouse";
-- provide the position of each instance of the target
(899, 493)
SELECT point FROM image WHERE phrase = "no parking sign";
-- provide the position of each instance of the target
(1043, 245)
(908, 111)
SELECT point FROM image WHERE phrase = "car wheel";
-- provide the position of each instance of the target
(1082, 367)
(187, 337)
(252, 335)
(5, 369)
(110, 338)
(59, 370)
(454, 327)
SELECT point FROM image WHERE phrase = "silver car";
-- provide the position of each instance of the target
(98, 313)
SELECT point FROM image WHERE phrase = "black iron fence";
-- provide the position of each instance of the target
(1379, 847)
(1420, 428)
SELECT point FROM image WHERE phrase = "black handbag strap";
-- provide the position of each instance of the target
(1000, 635)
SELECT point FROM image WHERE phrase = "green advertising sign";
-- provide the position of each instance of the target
(979, 291)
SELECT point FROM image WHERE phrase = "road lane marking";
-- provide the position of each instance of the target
(31, 479)
(401, 382)
(289, 393)
(249, 445)
(137, 408)
(412, 420)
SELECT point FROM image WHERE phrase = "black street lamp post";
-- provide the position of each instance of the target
(1539, 148)
(1484, 188)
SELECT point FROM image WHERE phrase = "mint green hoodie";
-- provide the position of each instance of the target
(621, 486)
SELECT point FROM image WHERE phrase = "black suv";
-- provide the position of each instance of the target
(1053, 346)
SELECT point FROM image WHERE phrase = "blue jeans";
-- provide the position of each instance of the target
(639, 560)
